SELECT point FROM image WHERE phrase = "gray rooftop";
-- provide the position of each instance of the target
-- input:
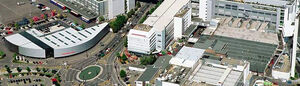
(257, 53)
(148, 74)
(85, 12)
(162, 62)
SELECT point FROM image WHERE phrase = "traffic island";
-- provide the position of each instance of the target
(89, 73)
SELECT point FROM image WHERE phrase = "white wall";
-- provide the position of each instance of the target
(281, 75)
(141, 41)
(130, 4)
(205, 9)
(178, 27)
(115, 7)
(32, 52)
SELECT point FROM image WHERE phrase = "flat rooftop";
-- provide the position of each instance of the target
(187, 56)
(142, 27)
(78, 8)
(283, 64)
(148, 74)
(11, 12)
(164, 14)
(258, 35)
(257, 53)
(215, 75)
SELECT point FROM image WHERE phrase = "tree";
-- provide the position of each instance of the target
(19, 69)
(130, 13)
(31, 22)
(148, 60)
(54, 71)
(8, 70)
(82, 26)
(45, 70)
(123, 73)
(101, 18)
(2, 54)
(17, 26)
(124, 58)
(118, 23)
(37, 69)
(28, 69)
(138, 4)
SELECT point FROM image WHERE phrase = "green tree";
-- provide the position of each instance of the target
(138, 4)
(19, 69)
(130, 13)
(37, 69)
(45, 70)
(82, 26)
(118, 23)
(123, 73)
(8, 70)
(28, 69)
(54, 71)
(31, 22)
(124, 58)
(148, 60)
(2, 54)
(17, 26)
(101, 18)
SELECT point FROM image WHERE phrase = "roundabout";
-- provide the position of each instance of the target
(89, 73)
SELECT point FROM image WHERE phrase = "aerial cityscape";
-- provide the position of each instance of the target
(149, 43)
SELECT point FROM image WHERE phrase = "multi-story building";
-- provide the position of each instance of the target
(161, 22)
(89, 10)
(116, 7)
(130, 4)
(182, 21)
(141, 39)
(281, 13)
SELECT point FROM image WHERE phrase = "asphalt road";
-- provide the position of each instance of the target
(113, 66)
(139, 14)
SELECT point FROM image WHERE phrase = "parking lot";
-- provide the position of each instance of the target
(27, 81)
(11, 12)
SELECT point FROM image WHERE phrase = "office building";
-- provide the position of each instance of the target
(116, 7)
(281, 13)
(161, 22)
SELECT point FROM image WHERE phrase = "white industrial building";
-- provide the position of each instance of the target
(141, 39)
(60, 41)
(227, 72)
(281, 13)
(182, 21)
(116, 7)
(187, 57)
(161, 22)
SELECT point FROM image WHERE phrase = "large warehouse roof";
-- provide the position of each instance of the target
(257, 53)
(164, 14)
(68, 37)
(187, 56)
(23, 43)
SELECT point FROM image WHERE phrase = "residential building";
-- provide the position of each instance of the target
(281, 13)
